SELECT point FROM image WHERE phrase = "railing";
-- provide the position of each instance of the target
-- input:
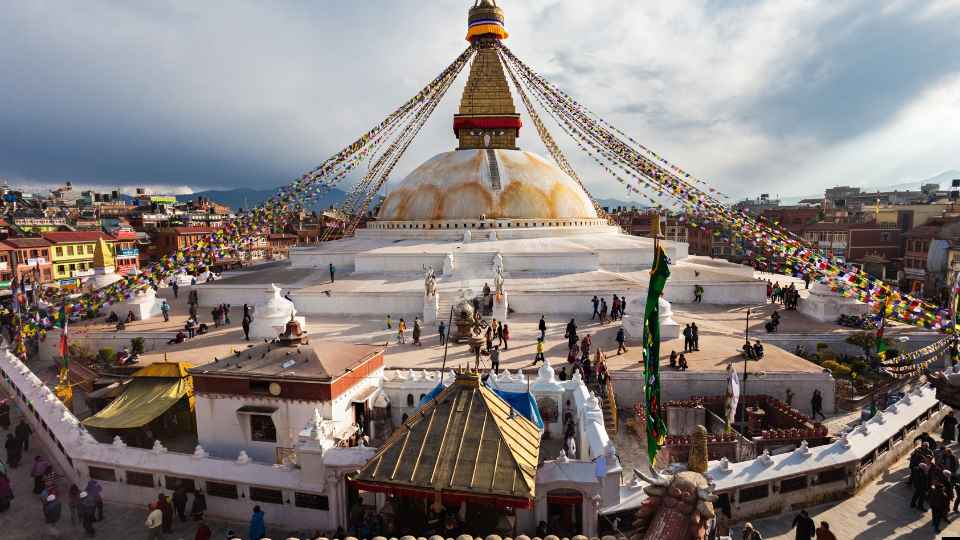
(613, 405)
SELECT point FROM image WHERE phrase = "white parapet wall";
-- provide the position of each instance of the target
(131, 475)
(771, 485)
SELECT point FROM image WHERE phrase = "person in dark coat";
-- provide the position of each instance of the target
(4, 415)
(816, 403)
(180, 500)
(915, 459)
(949, 424)
(167, 510)
(804, 525)
(939, 505)
(921, 483)
(23, 432)
(949, 461)
(199, 506)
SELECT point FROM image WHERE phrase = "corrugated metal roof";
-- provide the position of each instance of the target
(464, 441)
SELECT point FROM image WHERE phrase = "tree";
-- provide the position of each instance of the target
(866, 341)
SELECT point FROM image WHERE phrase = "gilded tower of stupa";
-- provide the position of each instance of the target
(488, 118)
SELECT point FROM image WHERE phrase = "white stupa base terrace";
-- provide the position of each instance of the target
(551, 274)
(825, 305)
(143, 306)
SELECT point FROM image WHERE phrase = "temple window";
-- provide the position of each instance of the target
(262, 428)
(409, 400)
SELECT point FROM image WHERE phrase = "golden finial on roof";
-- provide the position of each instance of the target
(166, 357)
(102, 256)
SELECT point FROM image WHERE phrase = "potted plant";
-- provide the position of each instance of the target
(765, 434)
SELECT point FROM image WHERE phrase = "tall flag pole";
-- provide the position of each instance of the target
(656, 429)
(879, 342)
(733, 397)
(64, 346)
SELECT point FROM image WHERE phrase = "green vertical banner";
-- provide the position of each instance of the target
(656, 429)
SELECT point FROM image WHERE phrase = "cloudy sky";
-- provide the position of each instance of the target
(784, 97)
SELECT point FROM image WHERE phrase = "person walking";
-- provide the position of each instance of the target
(333, 273)
(948, 434)
(749, 533)
(73, 502)
(87, 513)
(921, 484)
(602, 379)
(915, 458)
(615, 308)
(824, 532)
(389, 322)
(257, 528)
(816, 403)
(401, 328)
(539, 356)
(443, 332)
(165, 310)
(698, 293)
(51, 476)
(245, 324)
(199, 506)
(488, 337)
(416, 332)
(153, 522)
(543, 328)
(176, 289)
(180, 500)
(939, 505)
(14, 455)
(215, 314)
(495, 360)
(804, 525)
(621, 341)
(687, 338)
(51, 515)
(23, 432)
(694, 337)
(36, 471)
(166, 510)
(596, 307)
(191, 327)
(6, 493)
(949, 461)
(93, 489)
(603, 310)
(506, 337)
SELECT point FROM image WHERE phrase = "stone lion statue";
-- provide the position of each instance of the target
(680, 506)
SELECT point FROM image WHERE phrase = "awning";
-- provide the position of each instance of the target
(144, 399)
(564, 497)
(252, 409)
(362, 397)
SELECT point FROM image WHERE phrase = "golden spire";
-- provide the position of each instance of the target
(102, 256)
(487, 118)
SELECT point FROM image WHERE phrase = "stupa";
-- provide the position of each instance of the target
(483, 207)
(271, 315)
(143, 305)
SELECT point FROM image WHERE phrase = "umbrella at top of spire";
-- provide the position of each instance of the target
(485, 19)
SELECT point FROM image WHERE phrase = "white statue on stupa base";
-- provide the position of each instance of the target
(143, 305)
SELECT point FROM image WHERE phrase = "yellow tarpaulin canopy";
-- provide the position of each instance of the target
(144, 399)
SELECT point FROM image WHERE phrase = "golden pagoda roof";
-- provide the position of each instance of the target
(463, 445)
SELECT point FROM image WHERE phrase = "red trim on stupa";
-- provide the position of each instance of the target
(473, 122)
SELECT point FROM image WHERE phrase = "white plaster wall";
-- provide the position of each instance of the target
(550, 262)
(337, 303)
(397, 262)
(736, 292)
(629, 388)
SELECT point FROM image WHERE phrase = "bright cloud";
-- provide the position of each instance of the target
(185, 96)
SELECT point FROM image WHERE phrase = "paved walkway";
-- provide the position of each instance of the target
(881, 511)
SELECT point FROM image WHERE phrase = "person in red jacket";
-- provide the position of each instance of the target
(203, 532)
